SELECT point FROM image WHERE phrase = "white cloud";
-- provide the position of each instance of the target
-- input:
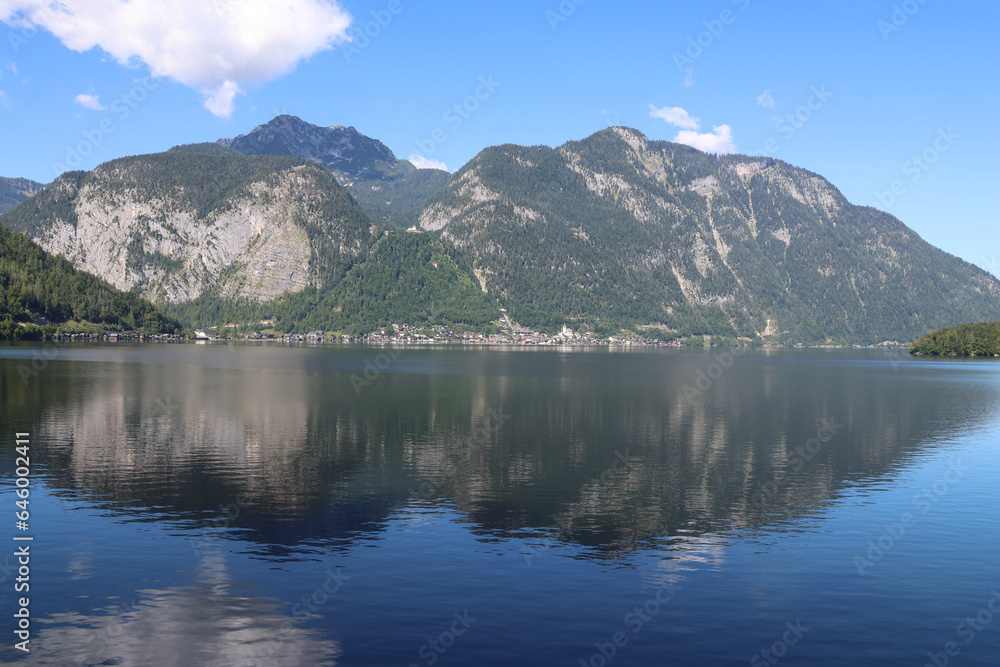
(211, 45)
(765, 99)
(719, 140)
(220, 101)
(420, 162)
(89, 101)
(3, 99)
(675, 116)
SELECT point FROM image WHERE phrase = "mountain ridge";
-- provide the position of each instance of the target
(15, 190)
(620, 228)
(173, 225)
(339, 148)
(217, 236)
(390, 190)
(614, 232)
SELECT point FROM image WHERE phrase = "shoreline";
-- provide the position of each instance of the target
(299, 340)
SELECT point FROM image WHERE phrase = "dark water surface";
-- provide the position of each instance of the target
(247, 505)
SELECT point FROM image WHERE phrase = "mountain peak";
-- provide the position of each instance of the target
(341, 149)
(618, 229)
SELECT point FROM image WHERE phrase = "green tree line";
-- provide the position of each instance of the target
(965, 340)
(34, 283)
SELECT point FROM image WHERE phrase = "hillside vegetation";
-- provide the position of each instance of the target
(15, 190)
(34, 283)
(964, 340)
(396, 200)
(618, 231)
(411, 278)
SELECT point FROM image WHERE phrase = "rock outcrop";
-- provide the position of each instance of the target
(251, 231)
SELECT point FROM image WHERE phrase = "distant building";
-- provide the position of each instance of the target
(206, 334)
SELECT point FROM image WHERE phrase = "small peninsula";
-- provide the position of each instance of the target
(965, 340)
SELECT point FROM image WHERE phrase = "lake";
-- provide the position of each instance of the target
(351, 505)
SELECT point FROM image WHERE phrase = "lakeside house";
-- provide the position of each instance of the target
(206, 334)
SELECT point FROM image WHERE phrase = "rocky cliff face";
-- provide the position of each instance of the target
(269, 253)
(626, 229)
(141, 224)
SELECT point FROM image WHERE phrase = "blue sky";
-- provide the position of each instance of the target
(894, 102)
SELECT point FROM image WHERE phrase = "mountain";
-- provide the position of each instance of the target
(392, 191)
(174, 226)
(611, 233)
(36, 284)
(620, 231)
(342, 150)
(397, 202)
(218, 236)
(15, 190)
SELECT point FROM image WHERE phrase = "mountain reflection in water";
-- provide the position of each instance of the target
(227, 486)
(604, 450)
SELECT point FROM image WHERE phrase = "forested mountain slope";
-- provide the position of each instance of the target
(617, 230)
(223, 237)
(34, 284)
(15, 190)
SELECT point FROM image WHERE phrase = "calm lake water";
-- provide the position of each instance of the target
(249, 505)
